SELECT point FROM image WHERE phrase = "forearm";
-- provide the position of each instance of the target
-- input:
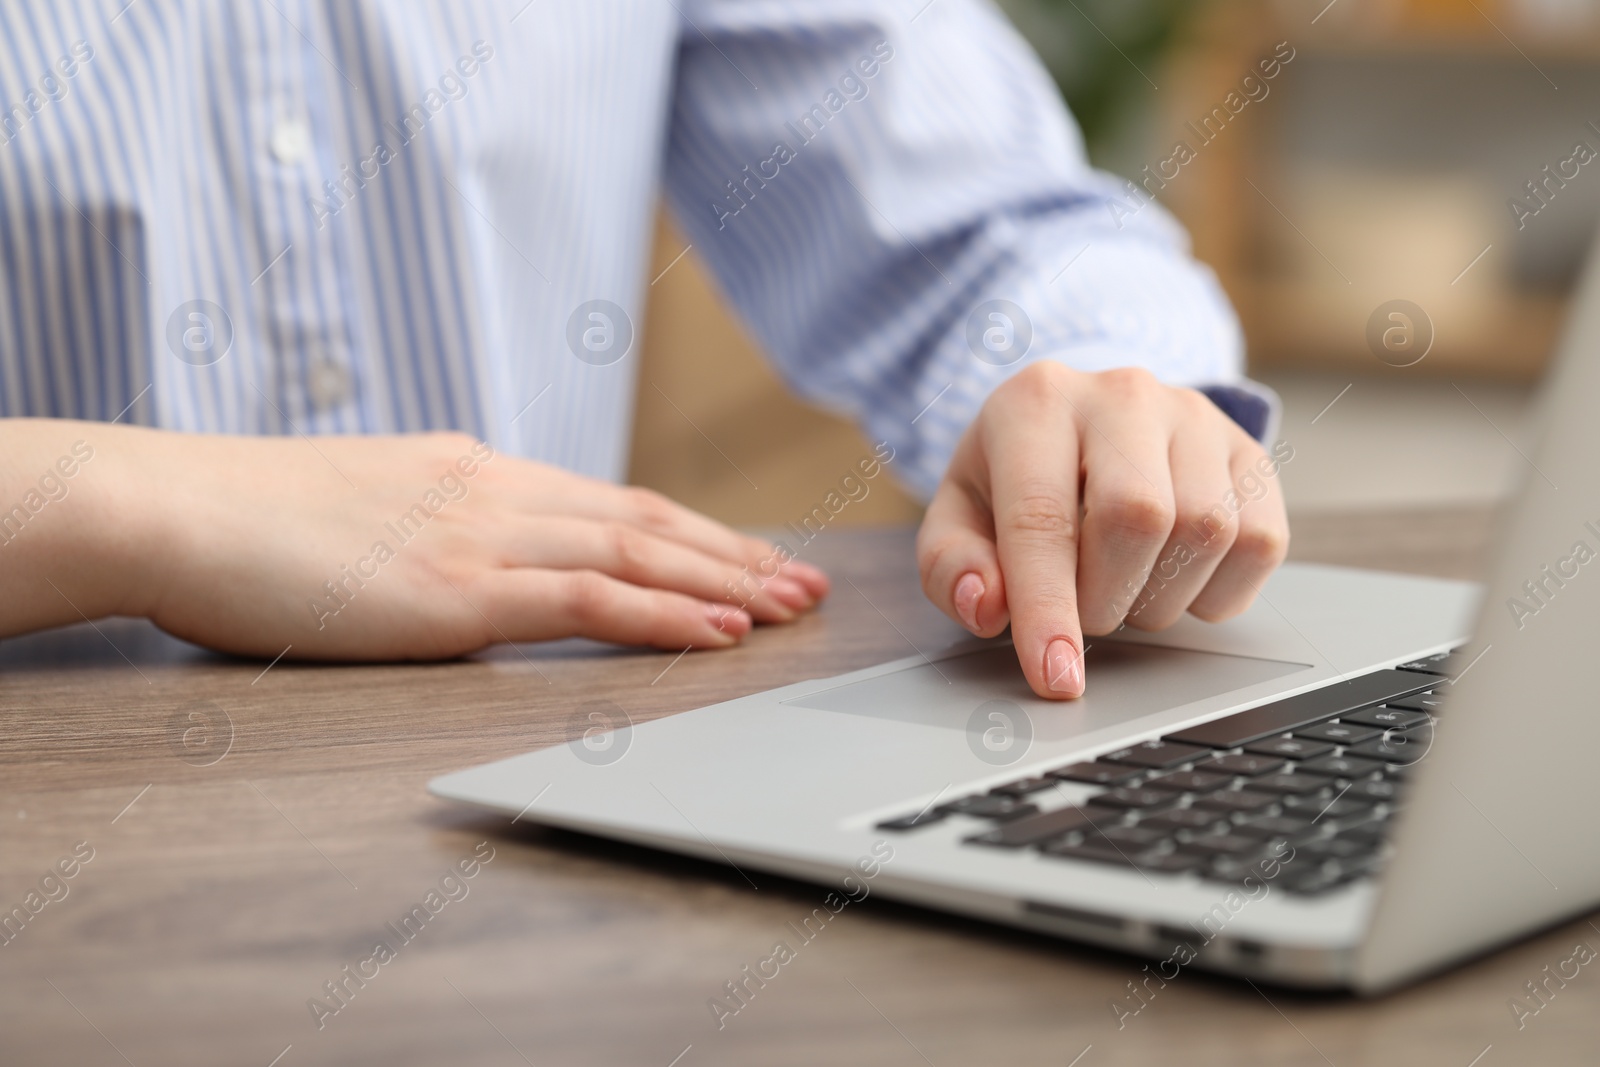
(865, 259)
(74, 534)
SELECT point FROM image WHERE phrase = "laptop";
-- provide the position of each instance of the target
(1363, 779)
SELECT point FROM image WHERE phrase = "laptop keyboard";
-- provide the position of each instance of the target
(1322, 772)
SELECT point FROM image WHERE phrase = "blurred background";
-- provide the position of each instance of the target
(1400, 155)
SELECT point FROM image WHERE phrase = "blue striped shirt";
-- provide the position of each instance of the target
(349, 216)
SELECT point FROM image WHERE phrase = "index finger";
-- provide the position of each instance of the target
(1033, 456)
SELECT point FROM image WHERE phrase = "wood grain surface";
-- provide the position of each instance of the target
(254, 830)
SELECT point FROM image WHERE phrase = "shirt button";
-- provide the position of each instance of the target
(329, 385)
(290, 142)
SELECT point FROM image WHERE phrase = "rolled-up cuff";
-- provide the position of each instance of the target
(1255, 407)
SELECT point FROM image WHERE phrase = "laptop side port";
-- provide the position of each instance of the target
(1074, 915)
(1173, 936)
(1252, 951)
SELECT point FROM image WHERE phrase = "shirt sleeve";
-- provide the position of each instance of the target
(898, 204)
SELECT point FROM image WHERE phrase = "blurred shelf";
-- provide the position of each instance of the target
(1412, 39)
(1487, 327)
(1291, 325)
(1528, 29)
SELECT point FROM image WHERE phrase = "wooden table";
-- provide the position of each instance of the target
(235, 871)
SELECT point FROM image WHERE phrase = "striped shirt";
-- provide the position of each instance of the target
(350, 216)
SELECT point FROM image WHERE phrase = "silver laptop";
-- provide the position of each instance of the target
(1362, 779)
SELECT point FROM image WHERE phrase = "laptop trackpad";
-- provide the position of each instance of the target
(1126, 682)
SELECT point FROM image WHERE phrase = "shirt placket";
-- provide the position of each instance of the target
(314, 380)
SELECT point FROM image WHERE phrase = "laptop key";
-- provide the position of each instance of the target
(1334, 871)
(1322, 809)
(1023, 787)
(1341, 767)
(1032, 829)
(915, 820)
(1245, 763)
(1101, 852)
(1441, 663)
(1335, 848)
(1378, 789)
(1397, 746)
(1248, 867)
(1188, 781)
(1315, 880)
(1130, 797)
(1289, 783)
(1297, 712)
(1362, 820)
(989, 806)
(1097, 773)
(1221, 845)
(1266, 827)
(1156, 754)
(1290, 748)
(1233, 800)
(1428, 702)
(1169, 862)
(1340, 733)
(1134, 838)
(1186, 819)
(1387, 718)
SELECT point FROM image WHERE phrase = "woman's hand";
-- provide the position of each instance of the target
(1076, 502)
(404, 547)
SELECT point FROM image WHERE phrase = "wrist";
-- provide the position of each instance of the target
(130, 512)
(71, 534)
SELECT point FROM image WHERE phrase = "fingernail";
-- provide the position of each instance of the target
(1063, 668)
(789, 593)
(805, 572)
(969, 590)
(730, 621)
